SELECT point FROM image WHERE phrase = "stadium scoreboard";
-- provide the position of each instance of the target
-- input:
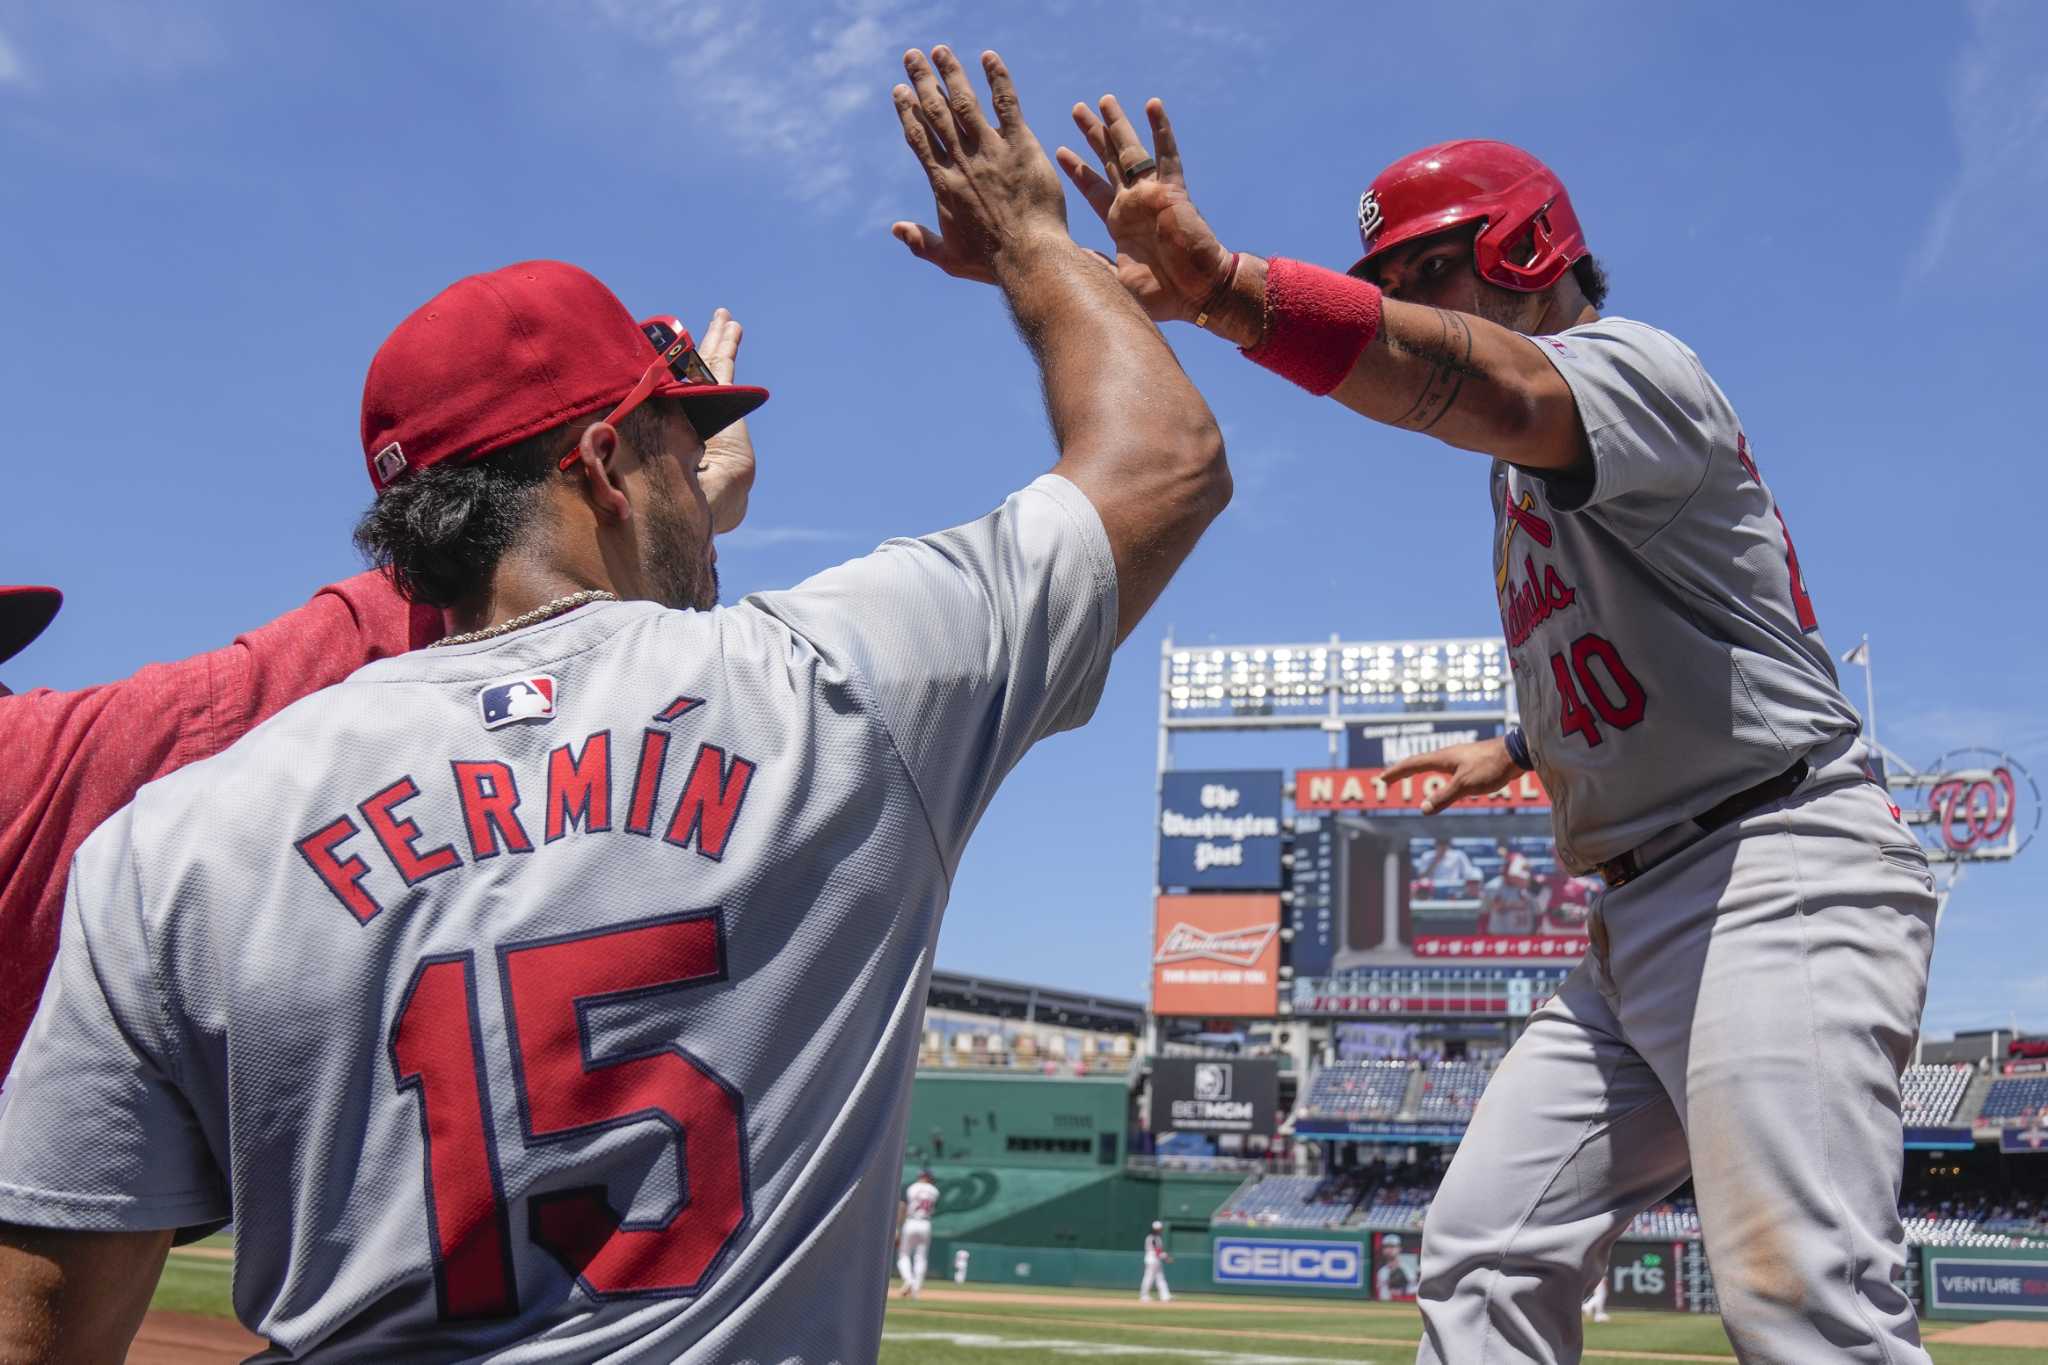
(1490, 991)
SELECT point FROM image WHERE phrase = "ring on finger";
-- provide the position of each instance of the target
(1142, 167)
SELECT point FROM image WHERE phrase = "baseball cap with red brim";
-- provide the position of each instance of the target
(24, 613)
(499, 357)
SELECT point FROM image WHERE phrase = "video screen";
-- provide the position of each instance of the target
(1442, 894)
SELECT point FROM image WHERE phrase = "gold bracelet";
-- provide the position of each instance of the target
(1221, 291)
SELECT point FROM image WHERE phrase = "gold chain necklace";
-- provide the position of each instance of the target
(538, 614)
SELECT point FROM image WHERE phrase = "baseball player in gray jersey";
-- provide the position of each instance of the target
(1760, 957)
(554, 995)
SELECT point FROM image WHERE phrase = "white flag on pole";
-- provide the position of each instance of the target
(1858, 655)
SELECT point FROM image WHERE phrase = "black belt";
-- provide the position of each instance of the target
(1625, 868)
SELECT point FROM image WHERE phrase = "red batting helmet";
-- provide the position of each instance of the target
(1529, 234)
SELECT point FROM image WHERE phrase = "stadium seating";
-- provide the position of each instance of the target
(1396, 1208)
(1358, 1090)
(1931, 1094)
(1294, 1201)
(1973, 1223)
(1450, 1090)
(1344, 1201)
(2022, 1222)
(1675, 1219)
(2012, 1097)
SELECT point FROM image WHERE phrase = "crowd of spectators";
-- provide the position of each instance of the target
(1390, 1204)
(2019, 1098)
(1294, 1201)
(1451, 1090)
(1358, 1090)
(1974, 1221)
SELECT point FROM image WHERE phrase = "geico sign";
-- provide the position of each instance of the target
(1325, 1265)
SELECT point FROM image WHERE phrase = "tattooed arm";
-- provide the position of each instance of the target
(1462, 379)
(1469, 383)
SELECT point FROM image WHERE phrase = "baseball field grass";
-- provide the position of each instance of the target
(983, 1323)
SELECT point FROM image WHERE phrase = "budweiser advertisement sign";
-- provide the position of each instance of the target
(1216, 956)
(1361, 789)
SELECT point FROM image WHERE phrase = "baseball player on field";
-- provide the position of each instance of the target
(1760, 957)
(554, 994)
(914, 1232)
(1594, 1309)
(1157, 1258)
(960, 1265)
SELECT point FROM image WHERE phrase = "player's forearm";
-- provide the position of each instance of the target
(74, 1296)
(1457, 377)
(1133, 432)
(1467, 382)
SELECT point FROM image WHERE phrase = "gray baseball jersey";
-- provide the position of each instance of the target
(557, 997)
(1666, 655)
(920, 1201)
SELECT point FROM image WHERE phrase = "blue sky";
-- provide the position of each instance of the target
(215, 212)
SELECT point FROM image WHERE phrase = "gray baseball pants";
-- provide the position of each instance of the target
(1743, 1019)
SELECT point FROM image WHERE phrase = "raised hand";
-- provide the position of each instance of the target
(1167, 255)
(993, 187)
(726, 470)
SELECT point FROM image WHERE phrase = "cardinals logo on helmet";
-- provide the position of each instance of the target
(510, 700)
(1368, 216)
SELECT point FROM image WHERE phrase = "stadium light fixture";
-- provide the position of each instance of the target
(1346, 679)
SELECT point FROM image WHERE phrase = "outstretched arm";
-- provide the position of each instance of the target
(1133, 433)
(1474, 769)
(1462, 379)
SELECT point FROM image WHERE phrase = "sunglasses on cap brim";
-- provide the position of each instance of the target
(677, 363)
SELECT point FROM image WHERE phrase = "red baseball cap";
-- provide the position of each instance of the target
(496, 358)
(24, 612)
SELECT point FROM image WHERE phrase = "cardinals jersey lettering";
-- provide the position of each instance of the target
(1666, 653)
(557, 997)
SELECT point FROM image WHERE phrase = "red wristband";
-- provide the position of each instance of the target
(1317, 324)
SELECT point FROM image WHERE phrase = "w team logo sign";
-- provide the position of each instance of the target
(511, 700)
(1970, 805)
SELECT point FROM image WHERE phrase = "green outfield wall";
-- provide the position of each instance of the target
(1017, 1119)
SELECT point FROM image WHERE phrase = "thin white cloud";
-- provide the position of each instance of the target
(1998, 104)
(768, 537)
(82, 48)
(788, 87)
(13, 70)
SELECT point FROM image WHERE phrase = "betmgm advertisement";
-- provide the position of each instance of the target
(1193, 1095)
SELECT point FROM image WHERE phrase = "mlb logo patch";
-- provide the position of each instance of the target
(390, 463)
(510, 700)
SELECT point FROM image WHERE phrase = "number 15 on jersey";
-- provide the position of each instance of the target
(565, 1093)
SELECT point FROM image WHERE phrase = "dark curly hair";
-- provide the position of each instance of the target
(442, 532)
(1592, 278)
